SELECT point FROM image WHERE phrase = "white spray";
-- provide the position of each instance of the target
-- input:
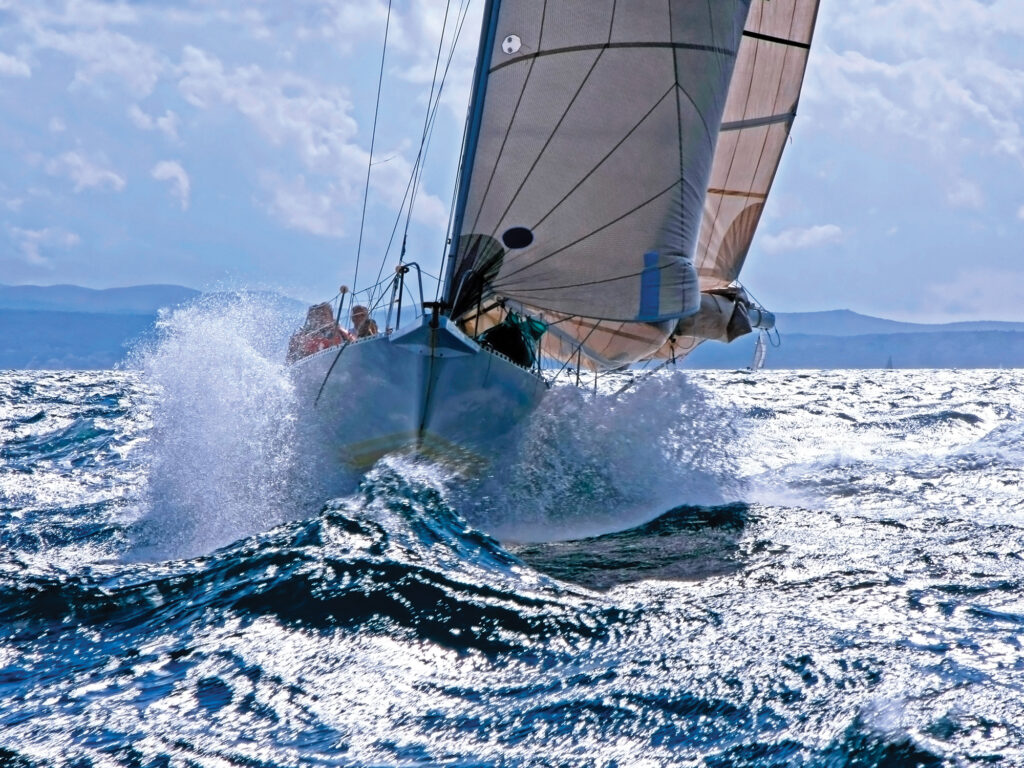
(589, 464)
(225, 457)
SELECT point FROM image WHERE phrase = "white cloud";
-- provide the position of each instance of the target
(87, 13)
(168, 170)
(797, 239)
(1020, 213)
(85, 173)
(304, 209)
(168, 124)
(104, 55)
(12, 67)
(965, 194)
(315, 121)
(57, 125)
(944, 72)
(32, 241)
(978, 294)
(412, 40)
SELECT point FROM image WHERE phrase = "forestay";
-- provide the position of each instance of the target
(587, 160)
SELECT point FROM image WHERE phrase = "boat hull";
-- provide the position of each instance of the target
(428, 390)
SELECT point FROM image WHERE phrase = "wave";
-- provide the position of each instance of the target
(393, 558)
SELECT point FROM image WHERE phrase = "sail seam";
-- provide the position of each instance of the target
(604, 159)
(764, 140)
(702, 257)
(596, 46)
(679, 123)
(614, 279)
(547, 143)
(746, 109)
(779, 40)
(471, 137)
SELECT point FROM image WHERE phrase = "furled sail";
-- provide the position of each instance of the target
(586, 165)
(759, 113)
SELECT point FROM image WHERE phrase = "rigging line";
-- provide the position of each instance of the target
(579, 350)
(417, 171)
(511, 122)
(327, 375)
(461, 20)
(373, 139)
(451, 53)
(641, 379)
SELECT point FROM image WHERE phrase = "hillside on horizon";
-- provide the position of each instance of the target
(127, 300)
(846, 322)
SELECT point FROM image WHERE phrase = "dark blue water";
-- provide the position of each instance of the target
(827, 572)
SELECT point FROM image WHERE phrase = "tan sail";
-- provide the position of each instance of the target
(759, 113)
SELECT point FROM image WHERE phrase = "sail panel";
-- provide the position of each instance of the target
(595, 143)
(759, 112)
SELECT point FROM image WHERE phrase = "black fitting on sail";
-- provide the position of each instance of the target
(478, 267)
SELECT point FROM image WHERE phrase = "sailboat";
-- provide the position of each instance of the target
(760, 352)
(616, 162)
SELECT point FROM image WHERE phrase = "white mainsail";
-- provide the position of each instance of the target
(588, 158)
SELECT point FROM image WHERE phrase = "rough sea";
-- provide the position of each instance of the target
(787, 568)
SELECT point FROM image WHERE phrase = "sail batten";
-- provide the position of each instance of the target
(779, 40)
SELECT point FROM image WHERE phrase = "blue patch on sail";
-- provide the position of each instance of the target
(650, 288)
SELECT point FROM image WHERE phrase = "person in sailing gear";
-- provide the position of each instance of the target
(362, 324)
(317, 333)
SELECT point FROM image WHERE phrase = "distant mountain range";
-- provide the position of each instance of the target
(843, 322)
(66, 326)
(133, 300)
(844, 339)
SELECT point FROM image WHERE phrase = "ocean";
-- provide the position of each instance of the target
(787, 568)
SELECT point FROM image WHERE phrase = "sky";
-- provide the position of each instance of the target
(224, 144)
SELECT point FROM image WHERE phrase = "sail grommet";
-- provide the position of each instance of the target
(517, 237)
(511, 44)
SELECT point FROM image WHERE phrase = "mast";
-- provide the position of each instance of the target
(474, 119)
